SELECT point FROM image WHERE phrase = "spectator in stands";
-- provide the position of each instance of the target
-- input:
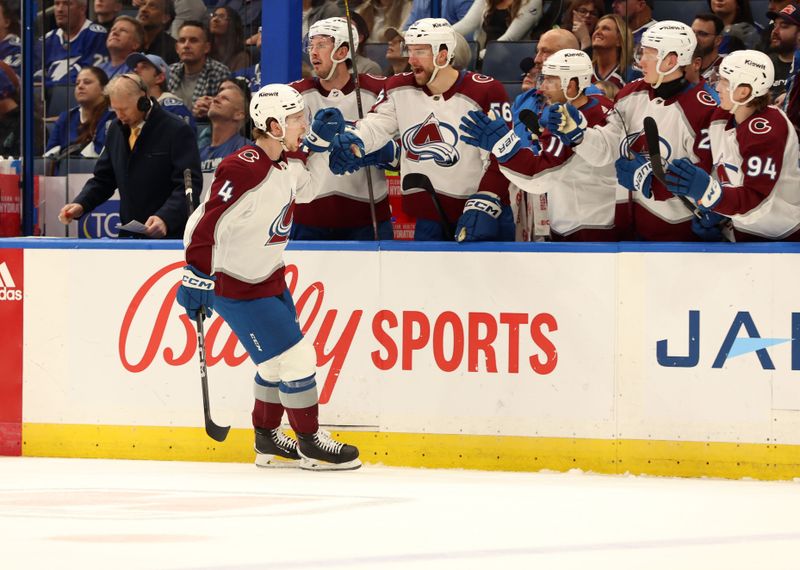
(315, 10)
(708, 29)
(227, 39)
(76, 43)
(155, 73)
(147, 151)
(9, 112)
(638, 14)
(81, 131)
(452, 10)
(581, 17)
(106, 11)
(785, 39)
(499, 20)
(250, 13)
(612, 51)
(397, 62)
(10, 47)
(766, 33)
(183, 10)
(227, 114)
(196, 79)
(156, 17)
(363, 63)
(740, 30)
(608, 88)
(252, 74)
(382, 14)
(126, 37)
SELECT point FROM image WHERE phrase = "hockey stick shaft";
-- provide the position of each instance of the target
(214, 431)
(417, 180)
(359, 104)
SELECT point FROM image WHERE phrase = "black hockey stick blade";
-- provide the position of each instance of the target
(531, 121)
(417, 180)
(654, 152)
(215, 432)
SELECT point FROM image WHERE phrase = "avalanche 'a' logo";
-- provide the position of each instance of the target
(431, 140)
(636, 143)
(722, 170)
(280, 227)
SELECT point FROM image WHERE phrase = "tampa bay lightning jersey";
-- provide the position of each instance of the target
(63, 59)
(250, 74)
(65, 132)
(177, 107)
(211, 156)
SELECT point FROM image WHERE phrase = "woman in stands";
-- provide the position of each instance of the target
(381, 15)
(82, 130)
(227, 38)
(740, 31)
(581, 17)
(500, 20)
(612, 51)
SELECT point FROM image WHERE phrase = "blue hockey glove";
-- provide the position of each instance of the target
(635, 174)
(327, 124)
(343, 158)
(385, 158)
(686, 179)
(489, 134)
(565, 121)
(196, 291)
(480, 220)
(708, 227)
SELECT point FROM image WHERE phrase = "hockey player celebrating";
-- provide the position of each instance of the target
(234, 251)
(424, 106)
(341, 210)
(756, 178)
(581, 197)
(682, 111)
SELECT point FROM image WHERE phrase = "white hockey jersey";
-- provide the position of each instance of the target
(240, 231)
(682, 121)
(427, 125)
(756, 164)
(580, 197)
(342, 201)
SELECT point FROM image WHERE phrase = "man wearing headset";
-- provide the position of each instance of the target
(147, 150)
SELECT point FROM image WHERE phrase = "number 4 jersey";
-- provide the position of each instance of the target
(756, 165)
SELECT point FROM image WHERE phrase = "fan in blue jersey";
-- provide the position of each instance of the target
(82, 129)
(10, 46)
(75, 44)
(126, 37)
(227, 115)
(154, 71)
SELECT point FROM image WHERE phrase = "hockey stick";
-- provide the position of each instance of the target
(215, 432)
(417, 180)
(654, 152)
(531, 122)
(356, 84)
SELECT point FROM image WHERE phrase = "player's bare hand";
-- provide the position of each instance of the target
(155, 227)
(69, 212)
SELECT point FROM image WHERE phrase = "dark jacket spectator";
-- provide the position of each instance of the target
(156, 17)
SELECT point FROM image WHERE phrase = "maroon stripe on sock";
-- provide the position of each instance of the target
(304, 420)
(267, 415)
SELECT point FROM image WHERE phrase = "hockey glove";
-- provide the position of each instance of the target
(386, 158)
(708, 227)
(196, 291)
(686, 179)
(480, 220)
(344, 159)
(564, 121)
(327, 124)
(635, 174)
(489, 134)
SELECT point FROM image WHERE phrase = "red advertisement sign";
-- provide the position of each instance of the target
(11, 295)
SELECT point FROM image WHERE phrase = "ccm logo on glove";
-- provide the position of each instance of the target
(485, 206)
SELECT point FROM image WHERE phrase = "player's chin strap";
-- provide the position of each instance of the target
(736, 104)
(436, 68)
(661, 74)
(335, 63)
(281, 140)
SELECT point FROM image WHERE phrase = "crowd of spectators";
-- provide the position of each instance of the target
(186, 50)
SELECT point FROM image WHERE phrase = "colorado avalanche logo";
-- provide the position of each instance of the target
(279, 229)
(759, 126)
(636, 143)
(721, 169)
(431, 140)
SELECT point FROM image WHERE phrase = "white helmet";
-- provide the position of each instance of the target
(747, 67)
(275, 101)
(570, 64)
(433, 32)
(336, 28)
(669, 37)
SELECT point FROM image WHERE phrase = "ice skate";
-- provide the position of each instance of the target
(323, 453)
(276, 449)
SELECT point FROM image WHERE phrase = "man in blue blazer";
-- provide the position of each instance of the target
(147, 151)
